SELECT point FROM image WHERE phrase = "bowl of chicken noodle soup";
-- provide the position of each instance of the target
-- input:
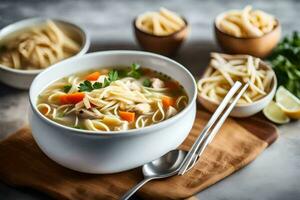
(107, 112)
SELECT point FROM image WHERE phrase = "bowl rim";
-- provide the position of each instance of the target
(186, 26)
(277, 27)
(130, 132)
(274, 86)
(86, 42)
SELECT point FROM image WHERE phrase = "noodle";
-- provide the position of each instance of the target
(38, 48)
(246, 23)
(160, 23)
(224, 70)
(102, 108)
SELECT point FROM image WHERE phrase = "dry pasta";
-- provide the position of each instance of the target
(246, 22)
(164, 22)
(38, 48)
(224, 70)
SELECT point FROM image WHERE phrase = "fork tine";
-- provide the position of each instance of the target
(189, 157)
(214, 131)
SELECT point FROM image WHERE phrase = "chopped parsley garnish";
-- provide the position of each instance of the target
(87, 86)
(113, 75)
(122, 73)
(135, 71)
(147, 82)
(67, 88)
(97, 85)
(105, 83)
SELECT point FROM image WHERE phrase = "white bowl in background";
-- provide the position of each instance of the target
(22, 78)
(111, 152)
(244, 110)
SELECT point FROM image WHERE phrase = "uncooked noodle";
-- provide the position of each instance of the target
(224, 70)
(37, 48)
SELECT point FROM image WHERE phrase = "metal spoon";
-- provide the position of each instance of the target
(165, 166)
(178, 161)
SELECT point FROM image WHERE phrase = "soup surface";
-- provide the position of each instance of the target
(113, 99)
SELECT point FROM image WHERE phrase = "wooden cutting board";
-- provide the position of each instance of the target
(238, 143)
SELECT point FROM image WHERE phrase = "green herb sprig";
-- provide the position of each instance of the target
(67, 88)
(285, 60)
(87, 86)
(147, 82)
(135, 71)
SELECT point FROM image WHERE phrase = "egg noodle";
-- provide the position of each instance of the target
(101, 109)
(160, 23)
(224, 70)
(38, 47)
(246, 23)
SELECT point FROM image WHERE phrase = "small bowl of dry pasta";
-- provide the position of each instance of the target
(161, 32)
(29, 46)
(224, 70)
(247, 31)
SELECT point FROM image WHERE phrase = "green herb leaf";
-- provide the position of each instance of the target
(113, 75)
(285, 60)
(135, 66)
(106, 82)
(135, 72)
(86, 86)
(97, 85)
(67, 88)
(147, 82)
(122, 73)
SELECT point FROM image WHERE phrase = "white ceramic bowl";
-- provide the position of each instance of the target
(245, 110)
(22, 78)
(104, 152)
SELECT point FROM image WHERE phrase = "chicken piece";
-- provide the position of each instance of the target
(123, 127)
(122, 106)
(157, 83)
(133, 86)
(171, 112)
(84, 113)
(142, 108)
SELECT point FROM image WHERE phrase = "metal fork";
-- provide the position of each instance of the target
(212, 127)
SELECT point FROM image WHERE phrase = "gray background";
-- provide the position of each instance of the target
(273, 175)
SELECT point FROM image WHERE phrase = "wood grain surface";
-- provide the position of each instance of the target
(24, 165)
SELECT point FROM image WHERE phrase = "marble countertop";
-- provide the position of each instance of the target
(273, 175)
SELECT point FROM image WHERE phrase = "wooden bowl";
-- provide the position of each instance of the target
(166, 45)
(255, 46)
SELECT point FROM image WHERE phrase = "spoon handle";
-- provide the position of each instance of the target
(130, 192)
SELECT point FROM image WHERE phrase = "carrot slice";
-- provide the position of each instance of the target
(167, 101)
(93, 76)
(128, 116)
(71, 98)
(63, 99)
